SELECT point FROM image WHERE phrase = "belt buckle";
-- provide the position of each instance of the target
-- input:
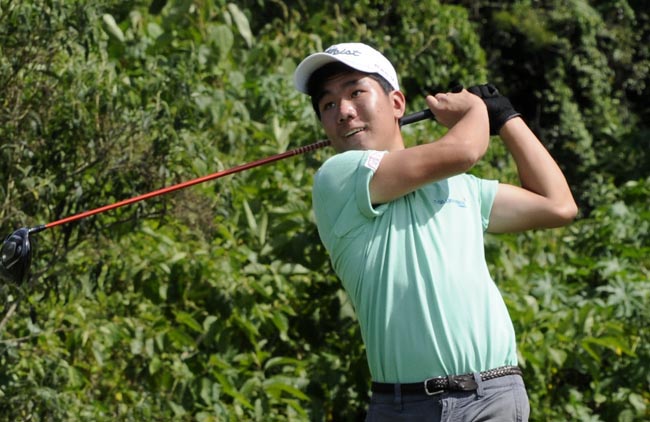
(430, 393)
(462, 382)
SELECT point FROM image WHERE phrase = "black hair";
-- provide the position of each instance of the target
(320, 76)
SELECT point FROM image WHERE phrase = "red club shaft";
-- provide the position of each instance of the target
(183, 185)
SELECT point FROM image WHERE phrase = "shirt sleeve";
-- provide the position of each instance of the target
(487, 194)
(341, 195)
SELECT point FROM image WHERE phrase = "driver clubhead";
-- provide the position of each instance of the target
(16, 256)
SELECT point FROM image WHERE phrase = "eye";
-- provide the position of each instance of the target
(356, 93)
(327, 106)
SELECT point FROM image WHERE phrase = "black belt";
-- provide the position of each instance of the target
(438, 385)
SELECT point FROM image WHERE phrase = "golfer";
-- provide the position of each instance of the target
(404, 230)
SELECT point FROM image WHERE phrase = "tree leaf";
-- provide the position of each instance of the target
(111, 27)
(241, 21)
(189, 321)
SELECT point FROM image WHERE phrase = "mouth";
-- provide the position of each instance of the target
(353, 132)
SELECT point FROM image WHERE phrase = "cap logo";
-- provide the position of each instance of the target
(335, 52)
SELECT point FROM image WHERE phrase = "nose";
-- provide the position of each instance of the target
(346, 110)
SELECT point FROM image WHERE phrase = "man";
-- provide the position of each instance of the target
(404, 229)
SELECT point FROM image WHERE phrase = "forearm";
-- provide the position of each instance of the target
(456, 152)
(538, 172)
(470, 134)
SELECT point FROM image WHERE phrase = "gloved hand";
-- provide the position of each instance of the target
(499, 108)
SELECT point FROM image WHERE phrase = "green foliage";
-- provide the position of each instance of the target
(578, 301)
(579, 73)
(218, 302)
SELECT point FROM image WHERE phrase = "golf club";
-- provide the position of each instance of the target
(17, 247)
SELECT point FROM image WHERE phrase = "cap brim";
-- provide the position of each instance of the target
(307, 67)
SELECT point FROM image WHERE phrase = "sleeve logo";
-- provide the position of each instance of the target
(373, 160)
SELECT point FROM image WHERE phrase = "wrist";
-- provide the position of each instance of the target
(510, 125)
(478, 106)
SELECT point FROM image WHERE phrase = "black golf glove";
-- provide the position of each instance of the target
(499, 108)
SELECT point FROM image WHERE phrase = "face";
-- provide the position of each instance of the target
(357, 114)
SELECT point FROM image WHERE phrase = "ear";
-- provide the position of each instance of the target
(398, 101)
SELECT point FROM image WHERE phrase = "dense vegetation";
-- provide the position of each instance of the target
(218, 302)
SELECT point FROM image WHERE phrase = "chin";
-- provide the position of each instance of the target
(356, 146)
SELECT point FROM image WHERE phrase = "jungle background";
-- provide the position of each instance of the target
(218, 302)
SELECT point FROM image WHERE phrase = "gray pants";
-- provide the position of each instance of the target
(500, 399)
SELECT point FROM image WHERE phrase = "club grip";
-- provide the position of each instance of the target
(416, 117)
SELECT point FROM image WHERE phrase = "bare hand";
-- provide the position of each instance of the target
(449, 108)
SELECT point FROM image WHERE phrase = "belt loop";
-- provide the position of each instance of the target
(397, 399)
(479, 382)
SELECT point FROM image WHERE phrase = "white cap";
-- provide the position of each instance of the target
(358, 56)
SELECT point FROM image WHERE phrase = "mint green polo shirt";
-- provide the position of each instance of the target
(415, 271)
